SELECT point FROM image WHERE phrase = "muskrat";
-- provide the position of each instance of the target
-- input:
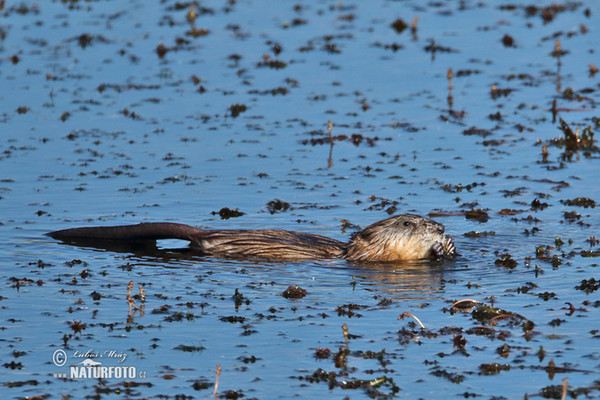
(400, 238)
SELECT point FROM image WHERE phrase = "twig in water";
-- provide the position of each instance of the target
(413, 27)
(129, 298)
(345, 329)
(445, 214)
(131, 303)
(450, 98)
(218, 372)
(494, 320)
(407, 314)
(143, 297)
(463, 301)
(329, 129)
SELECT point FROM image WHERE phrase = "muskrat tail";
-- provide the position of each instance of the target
(139, 232)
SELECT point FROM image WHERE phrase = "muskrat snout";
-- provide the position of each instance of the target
(436, 227)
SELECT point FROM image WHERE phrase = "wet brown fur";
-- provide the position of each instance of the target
(403, 237)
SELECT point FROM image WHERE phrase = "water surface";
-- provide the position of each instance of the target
(122, 112)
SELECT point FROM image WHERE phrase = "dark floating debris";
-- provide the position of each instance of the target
(201, 384)
(433, 48)
(322, 353)
(277, 205)
(574, 142)
(547, 13)
(161, 50)
(349, 310)
(294, 292)
(197, 32)
(508, 41)
(65, 116)
(123, 88)
(272, 64)
(558, 51)
(276, 91)
(478, 215)
(85, 39)
(399, 25)
(476, 131)
(189, 349)
(505, 260)
(77, 326)
(237, 109)
(590, 253)
(496, 92)
(493, 368)
(536, 204)
(589, 285)
(571, 216)
(226, 213)
(479, 234)
(356, 139)
(233, 319)
(239, 299)
(580, 202)
(391, 46)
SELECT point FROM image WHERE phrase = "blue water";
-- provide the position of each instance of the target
(181, 155)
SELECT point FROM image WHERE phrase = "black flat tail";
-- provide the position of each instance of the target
(139, 232)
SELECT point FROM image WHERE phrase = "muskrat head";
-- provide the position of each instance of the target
(404, 237)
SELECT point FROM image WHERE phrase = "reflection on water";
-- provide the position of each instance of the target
(403, 281)
(407, 279)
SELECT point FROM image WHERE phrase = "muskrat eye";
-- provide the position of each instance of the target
(407, 223)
